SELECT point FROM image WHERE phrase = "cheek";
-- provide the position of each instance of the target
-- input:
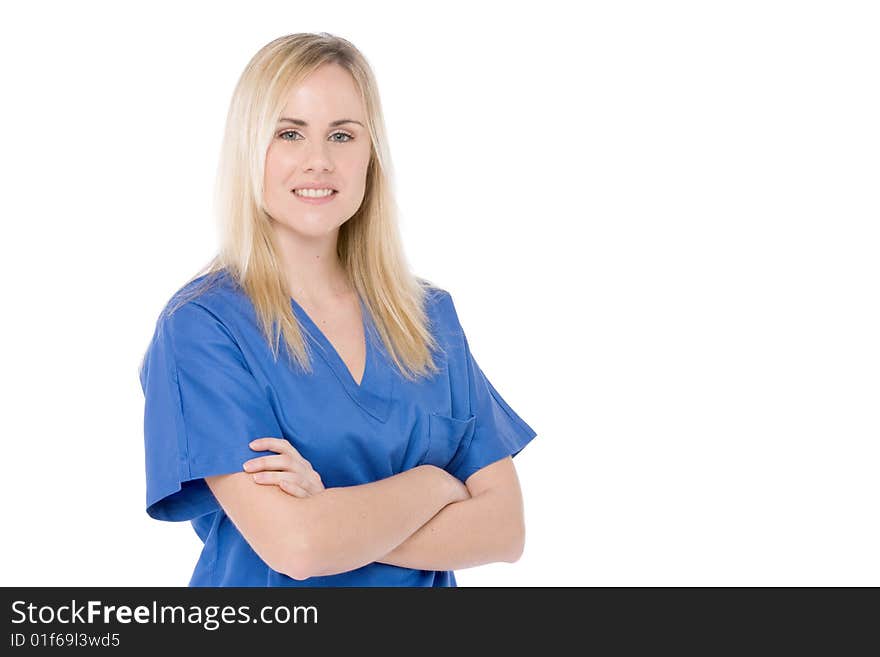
(278, 166)
(356, 171)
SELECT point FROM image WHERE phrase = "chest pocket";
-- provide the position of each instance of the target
(448, 440)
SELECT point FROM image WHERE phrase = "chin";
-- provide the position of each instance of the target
(308, 228)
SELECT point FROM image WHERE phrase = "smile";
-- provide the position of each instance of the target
(315, 196)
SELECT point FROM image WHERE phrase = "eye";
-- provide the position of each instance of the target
(294, 132)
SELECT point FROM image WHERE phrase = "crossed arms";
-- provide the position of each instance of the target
(415, 519)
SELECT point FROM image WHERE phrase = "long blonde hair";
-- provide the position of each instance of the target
(369, 244)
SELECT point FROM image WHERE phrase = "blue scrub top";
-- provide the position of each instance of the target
(211, 386)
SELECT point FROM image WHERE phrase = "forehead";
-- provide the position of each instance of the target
(328, 92)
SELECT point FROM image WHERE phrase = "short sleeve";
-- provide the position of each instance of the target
(498, 431)
(202, 406)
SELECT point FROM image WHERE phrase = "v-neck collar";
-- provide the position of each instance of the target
(374, 392)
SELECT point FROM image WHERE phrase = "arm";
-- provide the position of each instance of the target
(486, 528)
(340, 529)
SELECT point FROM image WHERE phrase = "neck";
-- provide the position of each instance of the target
(311, 266)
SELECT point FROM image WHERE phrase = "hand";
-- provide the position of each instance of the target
(288, 470)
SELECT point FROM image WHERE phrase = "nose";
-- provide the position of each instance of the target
(316, 157)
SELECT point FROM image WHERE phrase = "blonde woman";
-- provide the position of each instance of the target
(311, 406)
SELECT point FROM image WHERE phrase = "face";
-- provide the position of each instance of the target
(310, 146)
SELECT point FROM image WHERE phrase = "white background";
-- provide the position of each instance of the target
(659, 223)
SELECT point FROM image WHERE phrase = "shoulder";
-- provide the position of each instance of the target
(201, 324)
(212, 291)
(434, 295)
(440, 308)
(202, 308)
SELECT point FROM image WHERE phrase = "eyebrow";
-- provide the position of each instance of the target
(333, 124)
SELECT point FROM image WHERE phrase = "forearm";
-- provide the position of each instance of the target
(355, 525)
(482, 529)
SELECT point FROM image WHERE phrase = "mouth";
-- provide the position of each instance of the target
(315, 197)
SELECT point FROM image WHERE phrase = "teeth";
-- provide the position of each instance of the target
(313, 193)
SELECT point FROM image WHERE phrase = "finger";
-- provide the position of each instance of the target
(268, 478)
(293, 489)
(312, 475)
(316, 484)
(275, 444)
(308, 484)
(274, 478)
(275, 462)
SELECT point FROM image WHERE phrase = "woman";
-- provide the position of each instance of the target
(366, 448)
